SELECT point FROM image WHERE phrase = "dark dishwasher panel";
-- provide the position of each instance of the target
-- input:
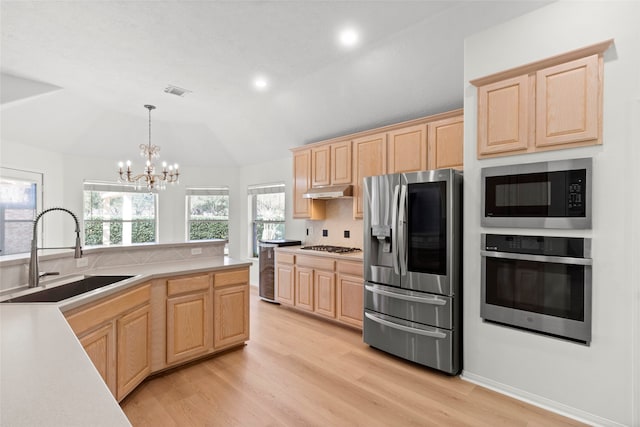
(266, 257)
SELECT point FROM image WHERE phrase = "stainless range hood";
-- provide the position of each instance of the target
(329, 192)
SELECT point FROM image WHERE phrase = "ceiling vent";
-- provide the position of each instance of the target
(175, 90)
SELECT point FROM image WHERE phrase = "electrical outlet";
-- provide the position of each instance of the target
(196, 251)
(346, 234)
(82, 262)
(325, 233)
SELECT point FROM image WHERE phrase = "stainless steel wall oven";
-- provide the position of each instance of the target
(412, 266)
(539, 283)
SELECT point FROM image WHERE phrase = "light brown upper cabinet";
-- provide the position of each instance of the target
(341, 163)
(304, 208)
(408, 149)
(369, 159)
(331, 164)
(446, 143)
(551, 104)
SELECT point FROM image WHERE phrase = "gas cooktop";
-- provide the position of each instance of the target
(332, 249)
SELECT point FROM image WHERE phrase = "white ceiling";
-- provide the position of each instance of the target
(76, 74)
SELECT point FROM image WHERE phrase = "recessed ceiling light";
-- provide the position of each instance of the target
(260, 83)
(349, 37)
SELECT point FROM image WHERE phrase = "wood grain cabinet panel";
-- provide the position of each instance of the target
(285, 284)
(408, 149)
(350, 300)
(320, 166)
(100, 346)
(324, 288)
(341, 163)
(189, 325)
(567, 102)
(503, 116)
(304, 288)
(446, 143)
(370, 159)
(301, 183)
(134, 349)
(231, 312)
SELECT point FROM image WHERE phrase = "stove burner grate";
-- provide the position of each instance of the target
(332, 249)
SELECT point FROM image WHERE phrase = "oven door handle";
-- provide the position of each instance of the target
(412, 298)
(431, 334)
(538, 258)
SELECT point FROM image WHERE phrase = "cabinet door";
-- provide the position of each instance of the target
(350, 300)
(231, 315)
(189, 325)
(134, 350)
(324, 293)
(341, 163)
(320, 166)
(304, 288)
(100, 346)
(408, 149)
(446, 138)
(285, 280)
(301, 183)
(568, 102)
(370, 158)
(503, 116)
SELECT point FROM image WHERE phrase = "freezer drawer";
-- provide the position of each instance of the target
(421, 307)
(432, 347)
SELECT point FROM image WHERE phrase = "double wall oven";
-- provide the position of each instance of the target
(540, 283)
(412, 266)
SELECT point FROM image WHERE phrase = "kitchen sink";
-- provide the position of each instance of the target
(68, 290)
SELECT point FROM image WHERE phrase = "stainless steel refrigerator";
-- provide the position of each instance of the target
(412, 266)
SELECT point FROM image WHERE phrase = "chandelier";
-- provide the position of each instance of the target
(149, 177)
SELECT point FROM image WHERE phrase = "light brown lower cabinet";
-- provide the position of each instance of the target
(324, 286)
(231, 309)
(134, 349)
(100, 345)
(116, 331)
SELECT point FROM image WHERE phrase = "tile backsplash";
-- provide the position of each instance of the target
(339, 218)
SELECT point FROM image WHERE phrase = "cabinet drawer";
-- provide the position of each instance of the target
(108, 308)
(285, 258)
(351, 268)
(231, 278)
(316, 262)
(187, 284)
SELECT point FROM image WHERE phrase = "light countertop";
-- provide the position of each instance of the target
(46, 378)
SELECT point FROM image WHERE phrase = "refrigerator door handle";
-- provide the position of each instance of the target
(423, 300)
(432, 334)
(394, 230)
(402, 244)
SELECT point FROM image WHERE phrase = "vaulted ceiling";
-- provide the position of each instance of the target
(76, 74)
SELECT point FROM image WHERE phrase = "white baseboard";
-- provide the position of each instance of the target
(542, 402)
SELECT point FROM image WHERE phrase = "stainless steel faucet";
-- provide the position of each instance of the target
(34, 274)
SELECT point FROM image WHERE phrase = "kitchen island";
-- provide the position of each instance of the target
(45, 376)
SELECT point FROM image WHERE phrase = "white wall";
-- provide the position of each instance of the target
(596, 382)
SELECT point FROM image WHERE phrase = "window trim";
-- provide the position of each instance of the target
(252, 192)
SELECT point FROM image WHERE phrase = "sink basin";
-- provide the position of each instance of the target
(68, 290)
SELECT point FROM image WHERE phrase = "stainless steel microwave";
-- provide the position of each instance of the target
(554, 194)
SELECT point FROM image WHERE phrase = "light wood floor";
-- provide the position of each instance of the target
(300, 371)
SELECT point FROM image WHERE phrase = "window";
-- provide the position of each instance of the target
(19, 201)
(267, 213)
(207, 213)
(118, 215)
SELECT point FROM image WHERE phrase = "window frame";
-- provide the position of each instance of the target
(35, 178)
(252, 193)
(205, 191)
(125, 189)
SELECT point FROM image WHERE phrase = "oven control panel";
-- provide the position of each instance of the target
(536, 245)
